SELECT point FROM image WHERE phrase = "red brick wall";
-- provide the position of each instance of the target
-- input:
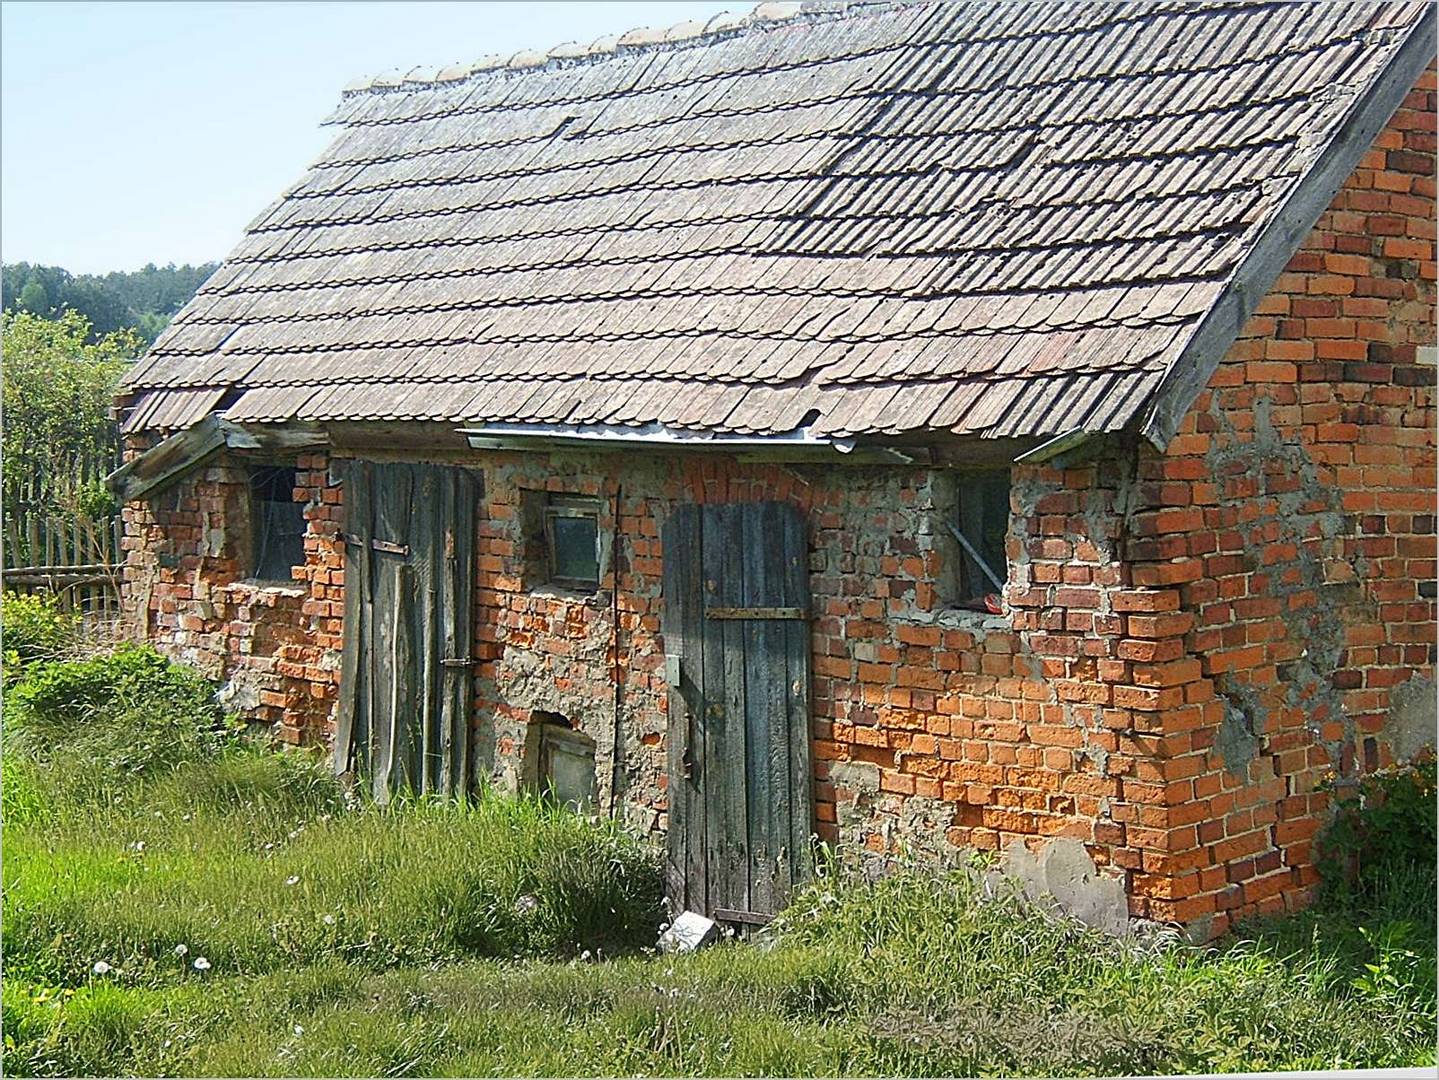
(1291, 526)
(935, 729)
(186, 586)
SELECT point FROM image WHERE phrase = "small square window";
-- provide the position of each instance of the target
(278, 523)
(572, 541)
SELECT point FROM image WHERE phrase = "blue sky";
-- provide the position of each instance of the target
(154, 132)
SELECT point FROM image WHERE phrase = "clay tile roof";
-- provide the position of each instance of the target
(897, 218)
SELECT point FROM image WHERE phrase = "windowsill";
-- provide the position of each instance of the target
(957, 619)
(278, 588)
(550, 591)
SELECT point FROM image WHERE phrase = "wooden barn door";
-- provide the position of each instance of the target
(405, 668)
(736, 630)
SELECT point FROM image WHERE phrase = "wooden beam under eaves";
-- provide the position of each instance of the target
(167, 461)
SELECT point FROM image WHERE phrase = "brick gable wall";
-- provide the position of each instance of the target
(1291, 525)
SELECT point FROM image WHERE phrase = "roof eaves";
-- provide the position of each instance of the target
(1256, 273)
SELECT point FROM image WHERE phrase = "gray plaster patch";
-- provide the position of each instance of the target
(1064, 874)
(242, 693)
(1412, 717)
(1236, 741)
(857, 776)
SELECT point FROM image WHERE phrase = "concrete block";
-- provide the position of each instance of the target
(690, 931)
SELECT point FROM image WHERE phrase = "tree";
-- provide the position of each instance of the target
(34, 299)
(144, 300)
(59, 437)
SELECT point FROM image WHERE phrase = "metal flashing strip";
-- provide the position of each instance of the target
(600, 438)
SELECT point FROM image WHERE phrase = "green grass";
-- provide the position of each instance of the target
(507, 937)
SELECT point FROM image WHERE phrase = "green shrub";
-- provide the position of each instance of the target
(128, 713)
(33, 629)
(1379, 851)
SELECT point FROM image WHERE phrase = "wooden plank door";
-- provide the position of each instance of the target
(737, 643)
(404, 719)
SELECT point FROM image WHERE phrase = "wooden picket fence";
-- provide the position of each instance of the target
(52, 546)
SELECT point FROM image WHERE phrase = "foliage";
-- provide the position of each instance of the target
(141, 821)
(832, 992)
(142, 300)
(113, 716)
(499, 937)
(57, 396)
(33, 629)
(1383, 838)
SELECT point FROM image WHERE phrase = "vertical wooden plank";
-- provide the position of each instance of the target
(447, 618)
(794, 547)
(363, 475)
(734, 762)
(427, 562)
(697, 716)
(764, 706)
(715, 723)
(356, 501)
(403, 735)
(392, 515)
(460, 622)
(685, 746)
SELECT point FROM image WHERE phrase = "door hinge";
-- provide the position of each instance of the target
(457, 661)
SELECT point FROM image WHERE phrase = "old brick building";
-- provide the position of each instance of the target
(931, 426)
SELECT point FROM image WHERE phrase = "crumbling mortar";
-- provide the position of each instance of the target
(1308, 680)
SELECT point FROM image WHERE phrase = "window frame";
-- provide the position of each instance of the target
(972, 514)
(559, 505)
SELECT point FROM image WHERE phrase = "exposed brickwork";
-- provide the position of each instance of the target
(1193, 639)
(187, 588)
(1291, 526)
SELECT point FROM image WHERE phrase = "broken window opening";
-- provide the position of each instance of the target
(560, 762)
(278, 523)
(979, 528)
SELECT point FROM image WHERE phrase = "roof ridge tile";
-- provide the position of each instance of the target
(690, 32)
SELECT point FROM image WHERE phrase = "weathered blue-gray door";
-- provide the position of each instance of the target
(737, 643)
(404, 711)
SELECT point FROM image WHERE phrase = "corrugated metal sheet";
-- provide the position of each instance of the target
(986, 218)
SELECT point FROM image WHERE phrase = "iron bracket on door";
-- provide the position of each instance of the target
(457, 662)
(387, 546)
(755, 613)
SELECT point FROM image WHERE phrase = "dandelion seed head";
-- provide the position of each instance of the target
(293, 880)
(101, 968)
(329, 920)
(201, 964)
(181, 949)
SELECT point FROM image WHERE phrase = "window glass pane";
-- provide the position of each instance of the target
(574, 555)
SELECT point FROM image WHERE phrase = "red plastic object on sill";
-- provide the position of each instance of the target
(992, 604)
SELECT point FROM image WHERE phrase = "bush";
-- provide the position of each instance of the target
(1378, 853)
(127, 713)
(34, 629)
